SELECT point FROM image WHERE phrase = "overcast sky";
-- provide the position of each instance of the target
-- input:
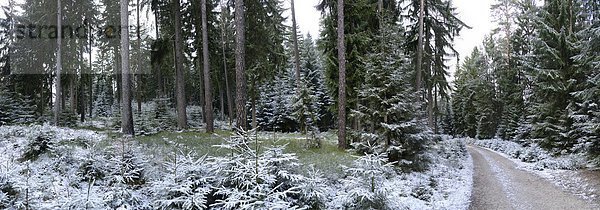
(475, 13)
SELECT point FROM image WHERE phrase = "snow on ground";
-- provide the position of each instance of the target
(562, 171)
(446, 184)
(45, 167)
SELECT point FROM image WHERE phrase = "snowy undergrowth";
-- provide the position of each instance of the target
(372, 183)
(534, 154)
(562, 170)
(45, 167)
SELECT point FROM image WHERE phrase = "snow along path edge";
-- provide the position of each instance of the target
(549, 176)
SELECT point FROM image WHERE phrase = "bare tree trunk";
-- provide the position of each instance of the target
(58, 90)
(227, 87)
(199, 66)
(296, 54)
(126, 115)
(138, 58)
(118, 76)
(240, 39)
(201, 80)
(81, 104)
(180, 77)
(72, 96)
(207, 83)
(156, 65)
(420, 48)
(435, 110)
(253, 105)
(430, 107)
(342, 144)
(91, 77)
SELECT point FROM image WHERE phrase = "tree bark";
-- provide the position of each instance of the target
(240, 63)
(126, 115)
(420, 48)
(139, 59)
(91, 74)
(342, 144)
(296, 54)
(207, 83)
(82, 98)
(227, 87)
(57, 86)
(72, 92)
(180, 77)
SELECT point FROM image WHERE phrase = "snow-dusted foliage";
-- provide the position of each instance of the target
(374, 183)
(186, 184)
(15, 108)
(45, 167)
(103, 99)
(388, 105)
(533, 153)
(282, 107)
(250, 179)
(364, 187)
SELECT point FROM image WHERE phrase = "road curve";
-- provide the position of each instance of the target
(499, 184)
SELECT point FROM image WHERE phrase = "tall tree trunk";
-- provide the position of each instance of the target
(221, 99)
(139, 59)
(72, 92)
(296, 54)
(199, 66)
(118, 76)
(91, 74)
(430, 106)
(253, 105)
(207, 83)
(201, 80)
(223, 47)
(342, 144)
(156, 64)
(180, 78)
(240, 51)
(420, 48)
(57, 85)
(81, 104)
(126, 115)
(435, 109)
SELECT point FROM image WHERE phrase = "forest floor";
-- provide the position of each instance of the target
(501, 183)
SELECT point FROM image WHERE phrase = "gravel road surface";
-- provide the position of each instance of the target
(499, 184)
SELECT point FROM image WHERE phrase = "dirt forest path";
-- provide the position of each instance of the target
(499, 184)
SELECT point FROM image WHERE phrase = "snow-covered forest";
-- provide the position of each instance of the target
(214, 104)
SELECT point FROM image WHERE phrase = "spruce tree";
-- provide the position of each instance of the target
(555, 76)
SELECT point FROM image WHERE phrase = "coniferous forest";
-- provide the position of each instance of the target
(227, 104)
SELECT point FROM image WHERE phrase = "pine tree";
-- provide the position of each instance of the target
(265, 55)
(503, 58)
(474, 101)
(305, 109)
(15, 108)
(555, 76)
(314, 72)
(438, 33)
(587, 60)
